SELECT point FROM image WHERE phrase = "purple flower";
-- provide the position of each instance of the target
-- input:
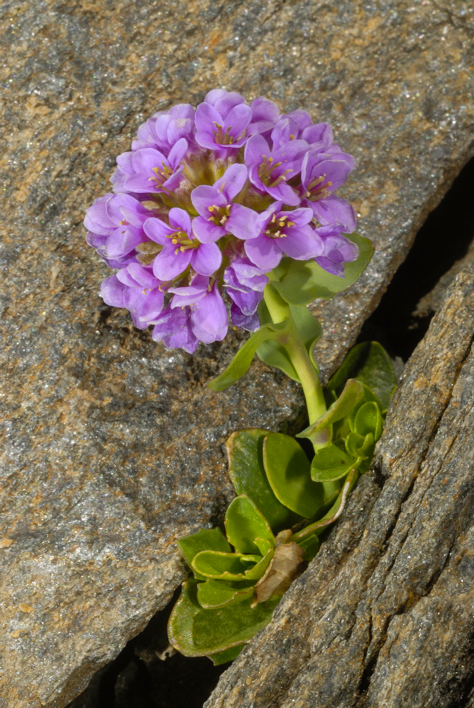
(173, 328)
(218, 215)
(135, 288)
(165, 128)
(207, 203)
(321, 175)
(265, 114)
(207, 313)
(298, 125)
(180, 247)
(269, 169)
(148, 170)
(221, 121)
(115, 227)
(338, 250)
(283, 232)
(244, 283)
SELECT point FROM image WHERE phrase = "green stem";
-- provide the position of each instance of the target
(291, 340)
(307, 374)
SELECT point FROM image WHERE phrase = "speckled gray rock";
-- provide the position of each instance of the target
(383, 616)
(112, 446)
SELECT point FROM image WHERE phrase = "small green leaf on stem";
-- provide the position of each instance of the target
(301, 282)
(242, 360)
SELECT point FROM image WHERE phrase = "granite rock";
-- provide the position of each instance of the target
(383, 617)
(112, 446)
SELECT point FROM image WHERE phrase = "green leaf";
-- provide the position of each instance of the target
(332, 515)
(301, 282)
(223, 657)
(310, 547)
(308, 328)
(288, 471)
(354, 443)
(244, 523)
(370, 364)
(226, 566)
(271, 352)
(215, 593)
(330, 463)
(195, 631)
(245, 452)
(204, 540)
(242, 360)
(352, 393)
(368, 419)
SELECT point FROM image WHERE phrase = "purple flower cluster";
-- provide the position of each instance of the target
(207, 202)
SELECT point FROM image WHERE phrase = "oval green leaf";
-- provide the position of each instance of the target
(330, 463)
(244, 523)
(204, 540)
(370, 364)
(288, 472)
(195, 631)
(245, 453)
(301, 282)
(215, 593)
(368, 419)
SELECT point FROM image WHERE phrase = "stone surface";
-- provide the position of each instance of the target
(112, 447)
(383, 616)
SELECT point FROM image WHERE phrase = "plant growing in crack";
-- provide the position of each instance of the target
(232, 208)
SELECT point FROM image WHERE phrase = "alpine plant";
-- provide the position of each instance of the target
(206, 204)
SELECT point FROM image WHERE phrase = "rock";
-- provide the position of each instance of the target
(383, 617)
(113, 447)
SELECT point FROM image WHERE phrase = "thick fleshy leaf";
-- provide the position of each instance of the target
(195, 631)
(223, 657)
(244, 523)
(288, 472)
(369, 363)
(308, 328)
(368, 419)
(215, 593)
(204, 540)
(213, 564)
(272, 353)
(245, 453)
(330, 463)
(242, 360)
(351, 395)
(357, 446)
(354, 443)
(332, 515)
(310, 547)
(301, 282)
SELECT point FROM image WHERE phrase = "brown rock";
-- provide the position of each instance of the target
(383, 616)
(112, 445)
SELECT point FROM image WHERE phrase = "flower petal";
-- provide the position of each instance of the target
(302, 244)
(207, 231)
(243, 222)
(171, 262)
(206, 259)
(264, 252)
(232, 182)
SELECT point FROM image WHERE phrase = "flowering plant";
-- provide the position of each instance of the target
(207, 203)
(232, 208)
